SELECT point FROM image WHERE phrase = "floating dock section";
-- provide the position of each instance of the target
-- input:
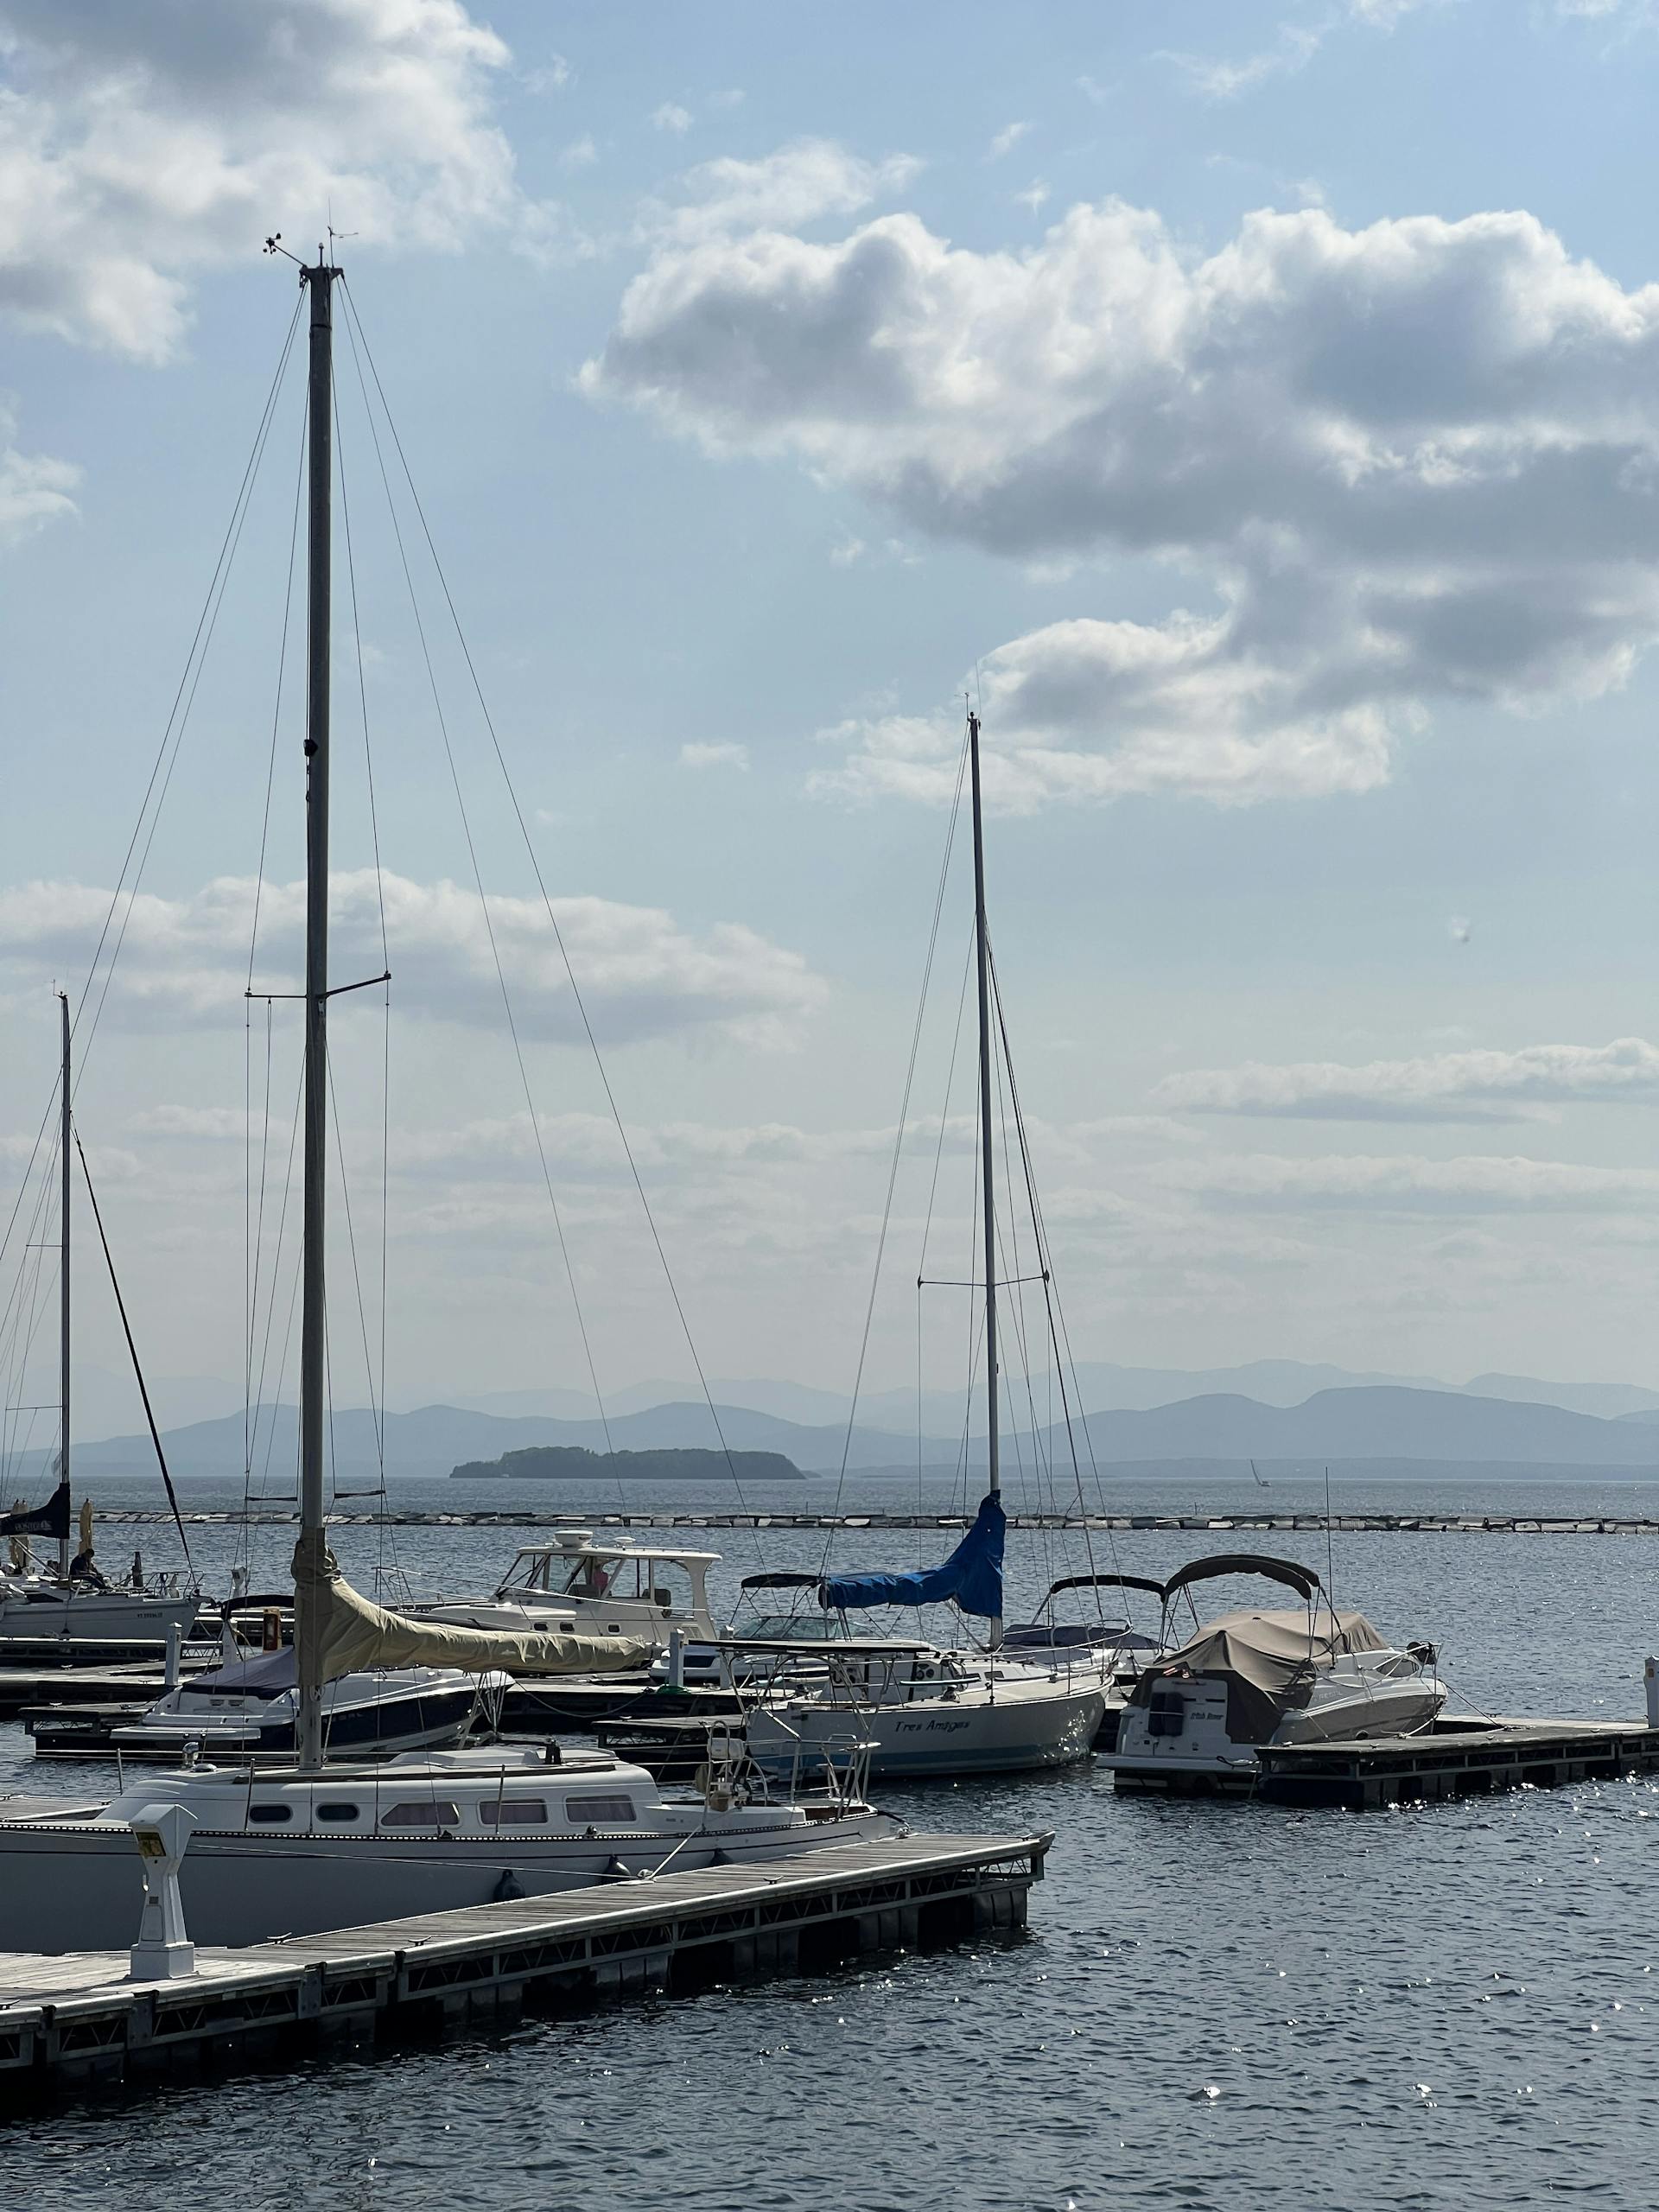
(1460, 1759)
(77, 2020)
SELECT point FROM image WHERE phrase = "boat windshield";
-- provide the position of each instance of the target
(789, 1628)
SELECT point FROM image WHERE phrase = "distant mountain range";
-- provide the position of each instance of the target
(1102, 1387)
(1373, 1422)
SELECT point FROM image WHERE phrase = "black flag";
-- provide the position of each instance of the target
(51, 1519)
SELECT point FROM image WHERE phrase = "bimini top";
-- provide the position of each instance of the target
(1106, 1582)
(1267, 1660)
(1220, 1563)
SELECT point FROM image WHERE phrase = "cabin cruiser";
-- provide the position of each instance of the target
(620, 1589)
(639, 1590)
(923, 1710)
(250, 1705)
(1303, 1675)
(275, 1855)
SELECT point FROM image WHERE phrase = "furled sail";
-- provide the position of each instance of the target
(972, 1576)
(349, 1632)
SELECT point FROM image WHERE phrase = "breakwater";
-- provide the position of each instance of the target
(1500, 1524)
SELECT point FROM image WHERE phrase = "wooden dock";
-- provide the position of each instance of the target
(76, 2020)
(58, 1685)
(1456, 1758)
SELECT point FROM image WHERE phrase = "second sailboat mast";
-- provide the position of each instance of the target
(314, 1310)
(65, 1140)
(982, 953)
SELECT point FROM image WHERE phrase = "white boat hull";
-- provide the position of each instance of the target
(80, 1888)
(94, 1617)
(1147, 1756)
(1021, 1728)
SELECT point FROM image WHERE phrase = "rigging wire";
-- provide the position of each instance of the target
(388, 1540)
(172, 734)
(899, 1140)
(354, 327)
(126, 1329)
(199, 647)
(478, 878)
(253, 1228)
(1060, 1334)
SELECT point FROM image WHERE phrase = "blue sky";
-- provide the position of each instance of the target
(1260, 397)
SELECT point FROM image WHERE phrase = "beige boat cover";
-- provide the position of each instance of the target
(1267, 1660)
(338, 1631)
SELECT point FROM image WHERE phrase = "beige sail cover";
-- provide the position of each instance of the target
(338, 1631)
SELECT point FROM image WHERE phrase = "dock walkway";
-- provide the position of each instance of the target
(76, 2019)
(1456, 1759)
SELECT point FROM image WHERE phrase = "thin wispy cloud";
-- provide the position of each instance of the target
(1471, 1086)
(727, 754)
(1005, 140)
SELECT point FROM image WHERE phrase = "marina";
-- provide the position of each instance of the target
(825, 954)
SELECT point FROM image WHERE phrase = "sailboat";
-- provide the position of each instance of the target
(925, 1710)
(307, 1847)
(67, 1611)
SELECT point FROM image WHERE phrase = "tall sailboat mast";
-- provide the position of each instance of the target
(313, 1320)
(65, 1139)
(982, 955)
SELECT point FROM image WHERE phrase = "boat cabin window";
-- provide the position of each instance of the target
(336, 1808)
(270, 1813)
(593, 1578)
(593, 1810)
(514, 1813)
(421, 1813)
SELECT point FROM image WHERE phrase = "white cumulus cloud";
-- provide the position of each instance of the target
(1410, 463)
(140, 145)
(643, 975)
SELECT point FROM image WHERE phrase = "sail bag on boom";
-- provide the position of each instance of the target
(972, 1576)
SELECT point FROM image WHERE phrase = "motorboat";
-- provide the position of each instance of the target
(249, 1705)
(1307, 1675)
(608, 1589)
(647, 1593)
(293, 1854)
(923, 1710)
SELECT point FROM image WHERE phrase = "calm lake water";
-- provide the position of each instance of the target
(1216, 2006)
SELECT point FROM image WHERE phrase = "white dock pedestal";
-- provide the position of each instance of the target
(164, 1951)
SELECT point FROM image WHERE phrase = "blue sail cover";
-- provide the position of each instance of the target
(972, 1575)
